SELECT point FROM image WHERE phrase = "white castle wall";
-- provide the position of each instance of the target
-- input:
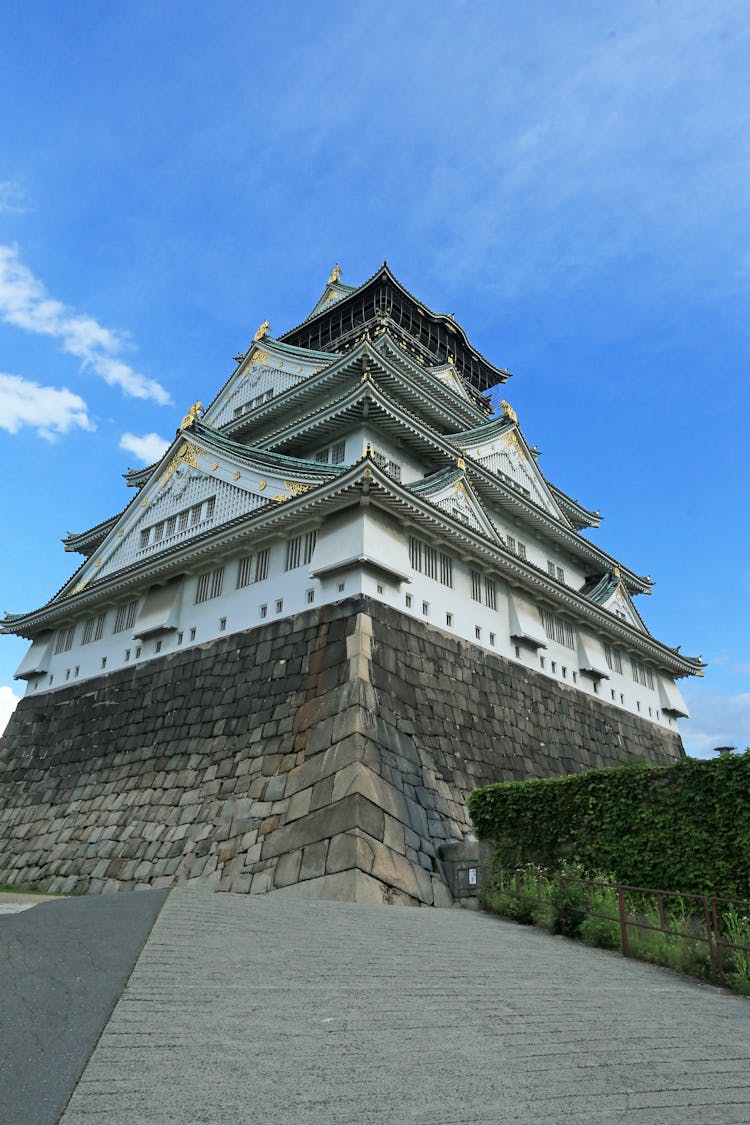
(348, 536)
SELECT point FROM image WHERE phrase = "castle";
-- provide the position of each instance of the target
(349, 485)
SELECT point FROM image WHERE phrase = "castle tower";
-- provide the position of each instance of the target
(348, 531)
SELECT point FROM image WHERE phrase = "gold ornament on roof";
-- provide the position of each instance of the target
(264, 329)
(194, 412)
(335, 274)
(508, 411)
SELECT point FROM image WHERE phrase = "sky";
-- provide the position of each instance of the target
(576, 191)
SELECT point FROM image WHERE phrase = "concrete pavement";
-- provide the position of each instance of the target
(273, 1009)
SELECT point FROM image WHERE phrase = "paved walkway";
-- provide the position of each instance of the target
(244, 1009)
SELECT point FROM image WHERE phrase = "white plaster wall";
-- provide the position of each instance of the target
(349, 534)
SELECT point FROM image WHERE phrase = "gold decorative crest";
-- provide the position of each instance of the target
(508, 411)
(335, 274)
(262, 331)
(188, 454)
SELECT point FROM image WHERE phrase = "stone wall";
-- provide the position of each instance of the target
(327, 754)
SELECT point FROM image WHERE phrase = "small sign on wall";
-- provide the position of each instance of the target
(472, 876)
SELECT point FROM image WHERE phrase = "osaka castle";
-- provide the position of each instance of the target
(349, 482)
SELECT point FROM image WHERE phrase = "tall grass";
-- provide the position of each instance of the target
(567, 903)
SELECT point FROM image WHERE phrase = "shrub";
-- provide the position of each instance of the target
(683, 826)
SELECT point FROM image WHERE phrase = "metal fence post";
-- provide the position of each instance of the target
(623, 921)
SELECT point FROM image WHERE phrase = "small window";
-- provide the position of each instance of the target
(511, 542)
(449, 619)
(614, 696)
(77, 669)
(279, 605)
(521, 550)
(425, 608)
(575, 677)
(210, 585)
(380, 587)
(550, 567)
(622, 699)
(125, 617)
(341, 586)
(492, 639)
(157, 646)
(595, 686)
(564, 671)
(338, 452)
(192, 634)
(476, 586)
(310, 596)
(542, 661)
(264, 610)
(560, 574)
(222, 624)
(179, 638)
(518, 652)
(553, 666)
(137, 651)
(104, 662)
(64, 640)
(127, 655)
(638, 705)
(67, 673)
(261, 564)
(477, 632)
(409, 600)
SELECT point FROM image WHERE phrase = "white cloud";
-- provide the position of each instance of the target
(8, 702)
(12, 198)
(25, 304)
(717, 720)
(51, 411)
(147, 449)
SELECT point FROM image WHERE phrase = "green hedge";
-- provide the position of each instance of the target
(683, 827)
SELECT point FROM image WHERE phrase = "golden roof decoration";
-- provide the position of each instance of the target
(194, 412)
(508, 411)
(335, 274)
(263, 330)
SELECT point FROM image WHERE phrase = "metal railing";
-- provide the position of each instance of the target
(699, 915)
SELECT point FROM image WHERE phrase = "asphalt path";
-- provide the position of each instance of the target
(63, 965)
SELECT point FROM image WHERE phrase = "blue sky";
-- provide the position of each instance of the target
(574, 190)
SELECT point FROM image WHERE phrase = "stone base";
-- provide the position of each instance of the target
(328, 755)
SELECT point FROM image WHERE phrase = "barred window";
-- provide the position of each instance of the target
(322, 456)
(65, 640)
(613, 657)
(521, 550)
(394, 470)
(560, 574)
(642, 674)
(165, 528)
(338, 452)
(293, 552)
(558, 628)
(261, 565)
(430, 562)
(311, 538)
(476, 585)
(125, 617)
(245, 572)
(550, 567)
(511, 542)
(490, 593)
(93, 629)
(210, 585)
